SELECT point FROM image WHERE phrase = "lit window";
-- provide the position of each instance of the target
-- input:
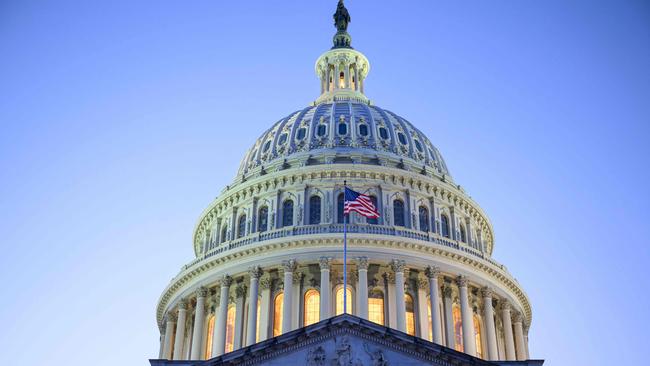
(363, 130)
(277, 314)
(287, 213)
(477, 336)
(376, 307)
(410, 315)
(398, 212)
(341, 80)
(444, 223)
(458, 328)
(208, 338)
(339, 301)
(312, 307)
(383, 133)
(263, 218)
(373, 221)
(241, 227)
(314, 210)
(429, 317)
(230, 329)
(257, 325)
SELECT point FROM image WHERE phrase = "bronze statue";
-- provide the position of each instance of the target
(341, 17)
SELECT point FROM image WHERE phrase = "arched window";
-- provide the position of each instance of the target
(277, 314)
(363, 129)
(424, 218)
(339, 300)
(287, 213)
(369, 220)
(463, 234)
(444, 225)
(410, 315)
(477, 336)
(241, 226)
(224, 233)
(341, 80)
(321, 130)
(383, 133)
(314, 210)
(376, 307)
(340, 203)
(208, 338)
(230, 329)
(458, 328)
(398, 212)
(263, 218)
(429, 317)
(312, 307)
(343, 129)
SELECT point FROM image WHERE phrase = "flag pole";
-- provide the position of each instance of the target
(345, 253)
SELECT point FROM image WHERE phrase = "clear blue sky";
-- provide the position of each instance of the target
(121, 120)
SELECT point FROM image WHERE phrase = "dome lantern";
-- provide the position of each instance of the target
(342, 70)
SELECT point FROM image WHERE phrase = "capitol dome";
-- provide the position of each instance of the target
(268, 249)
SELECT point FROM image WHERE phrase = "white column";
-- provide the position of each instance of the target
(251, 334)
(265, 307)
(328, 73)
(362, 288)
(356, 77)
(436, 323)
(240, 303)
(449, 318)
(490, 329)
(288, 266)
(336, 77)
(390, 299)
(180, 330)
(169, 330)
(325, 288)
(400, 305)
(507, 332)
(296, 300)
(423, 319)
(219, 336)
(199, 321)
(520, 344)
(469, 339)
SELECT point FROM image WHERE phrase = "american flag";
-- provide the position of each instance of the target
(360, 203)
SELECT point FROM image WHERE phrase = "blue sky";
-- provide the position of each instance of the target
(121, 120)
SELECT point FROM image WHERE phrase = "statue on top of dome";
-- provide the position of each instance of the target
(341, 17)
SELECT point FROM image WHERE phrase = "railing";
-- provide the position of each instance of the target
(216, 249)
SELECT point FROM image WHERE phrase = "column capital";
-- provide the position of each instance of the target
(289, 265)
(182, 304)
(240, 291)
(297, 277)
(362, 263)
(255, 272)
(398, 265)
(517, 317)
(171, 317)
(390, 277)
(461, 281)
(423, 284)
(505, 306)
(432, 272)
(324, 263)
(487, 292)
(226, 281)
(265, 283)
(201, 292)
(447, 291)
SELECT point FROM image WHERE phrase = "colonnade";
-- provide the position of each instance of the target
(183, 338)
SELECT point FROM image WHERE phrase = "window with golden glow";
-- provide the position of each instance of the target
(230, 329)
(339, 300)
(477, 336)
(458, 328)
(312, 307)
(341, 80)
(376, 307)
(277, 314)
(430, 322)
(410, 315)
(257, 325)
(208, 339)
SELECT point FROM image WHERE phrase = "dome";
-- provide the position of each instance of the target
(346, 131)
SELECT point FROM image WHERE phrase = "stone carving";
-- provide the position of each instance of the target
(255, 272)
(462, 281)
(240, 291)
(226, 281)
(447, 291)
(265, 283)
(344, 356)
(397, 265)
(316, 357)
(182, 304)
(289, 265)
(362, 263)
(432, 272)
(423, 284)
(324, 263)
(201, 292)
(487, 292)
(377, 357)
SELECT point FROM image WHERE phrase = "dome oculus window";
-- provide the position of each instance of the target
(302, 132)
(402, 138)
(383, 133)
(343, 129)
(363, 130)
